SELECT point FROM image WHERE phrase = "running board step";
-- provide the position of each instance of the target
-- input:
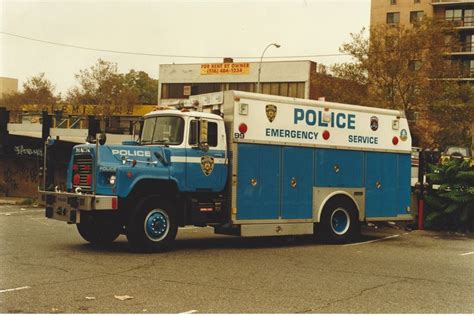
(254, 230)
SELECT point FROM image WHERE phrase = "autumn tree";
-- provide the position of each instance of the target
(145, 87)
(336, 89)
(37, 90)
(103, 86)
(404, 68)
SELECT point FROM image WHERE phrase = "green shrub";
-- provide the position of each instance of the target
(451, 206)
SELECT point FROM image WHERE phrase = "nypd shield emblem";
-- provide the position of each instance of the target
(374, 123)
(207, 165)
(271, 111)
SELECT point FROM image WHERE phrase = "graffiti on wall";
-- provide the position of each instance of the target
(8, 183)
(21, 150)
(19, 179)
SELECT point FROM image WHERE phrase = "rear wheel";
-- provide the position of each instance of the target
(152, 227)
(339, 221)
(98, 230)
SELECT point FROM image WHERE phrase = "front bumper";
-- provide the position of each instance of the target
(67, 207)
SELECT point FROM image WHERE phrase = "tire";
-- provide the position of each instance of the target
(152, 226)
(339, 221)
(98, 230)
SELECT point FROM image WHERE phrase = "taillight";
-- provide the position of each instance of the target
(74, 167)
(76, 179)
(89, 179)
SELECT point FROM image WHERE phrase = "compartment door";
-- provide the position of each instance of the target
(297, 183)
(258, 182)
(381, 185)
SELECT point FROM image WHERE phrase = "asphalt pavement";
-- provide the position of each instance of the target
(45, 267)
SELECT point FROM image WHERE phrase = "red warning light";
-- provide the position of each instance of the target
(243, 128)
(395, 140)
(76, 179)
(326, 135)
(89, 179)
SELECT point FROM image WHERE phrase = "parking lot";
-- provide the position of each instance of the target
(46, 267)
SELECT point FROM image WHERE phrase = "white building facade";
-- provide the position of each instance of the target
(285, 78)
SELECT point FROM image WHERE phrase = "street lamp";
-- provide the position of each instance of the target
(260, 65)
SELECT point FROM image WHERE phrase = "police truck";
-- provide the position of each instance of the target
(246, 164)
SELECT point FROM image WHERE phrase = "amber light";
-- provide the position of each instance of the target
(243, 128)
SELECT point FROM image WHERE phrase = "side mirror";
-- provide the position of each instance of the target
(199, 134)
(203, 132)
(102, 138)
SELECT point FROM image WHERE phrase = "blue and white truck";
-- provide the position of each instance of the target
(246, 164)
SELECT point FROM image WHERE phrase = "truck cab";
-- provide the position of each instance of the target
(180, 160)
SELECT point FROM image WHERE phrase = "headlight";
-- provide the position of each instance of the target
(112, 179)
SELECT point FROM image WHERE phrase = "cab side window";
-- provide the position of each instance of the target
(211, 133)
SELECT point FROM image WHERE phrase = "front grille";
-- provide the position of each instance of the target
(85, 166)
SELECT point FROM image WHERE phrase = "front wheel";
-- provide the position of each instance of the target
(98, 230)
(339, 221)
(152, 227)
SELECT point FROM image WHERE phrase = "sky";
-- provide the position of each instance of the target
(217, 29)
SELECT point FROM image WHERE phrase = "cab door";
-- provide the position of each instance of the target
(206, 170)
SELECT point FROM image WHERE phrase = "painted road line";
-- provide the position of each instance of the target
(15, 289)
(189, 312)
(467, 253)
(371, 241)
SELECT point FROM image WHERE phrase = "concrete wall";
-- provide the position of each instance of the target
(19, 177)
(8, 85)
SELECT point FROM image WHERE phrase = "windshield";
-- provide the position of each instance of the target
(167, 130)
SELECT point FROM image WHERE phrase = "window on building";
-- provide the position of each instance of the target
(416, 16)
(200, 88)
(393, 17)
(181, 90)
(249, 87)
(467, 68)
(468, 44)
(392, 2)
(468, 17)
(416, 1)
(414, 65)
(453, 14)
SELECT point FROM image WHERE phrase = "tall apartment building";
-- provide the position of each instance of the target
(459, 12)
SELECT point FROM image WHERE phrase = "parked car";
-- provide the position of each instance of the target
(456, 152)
